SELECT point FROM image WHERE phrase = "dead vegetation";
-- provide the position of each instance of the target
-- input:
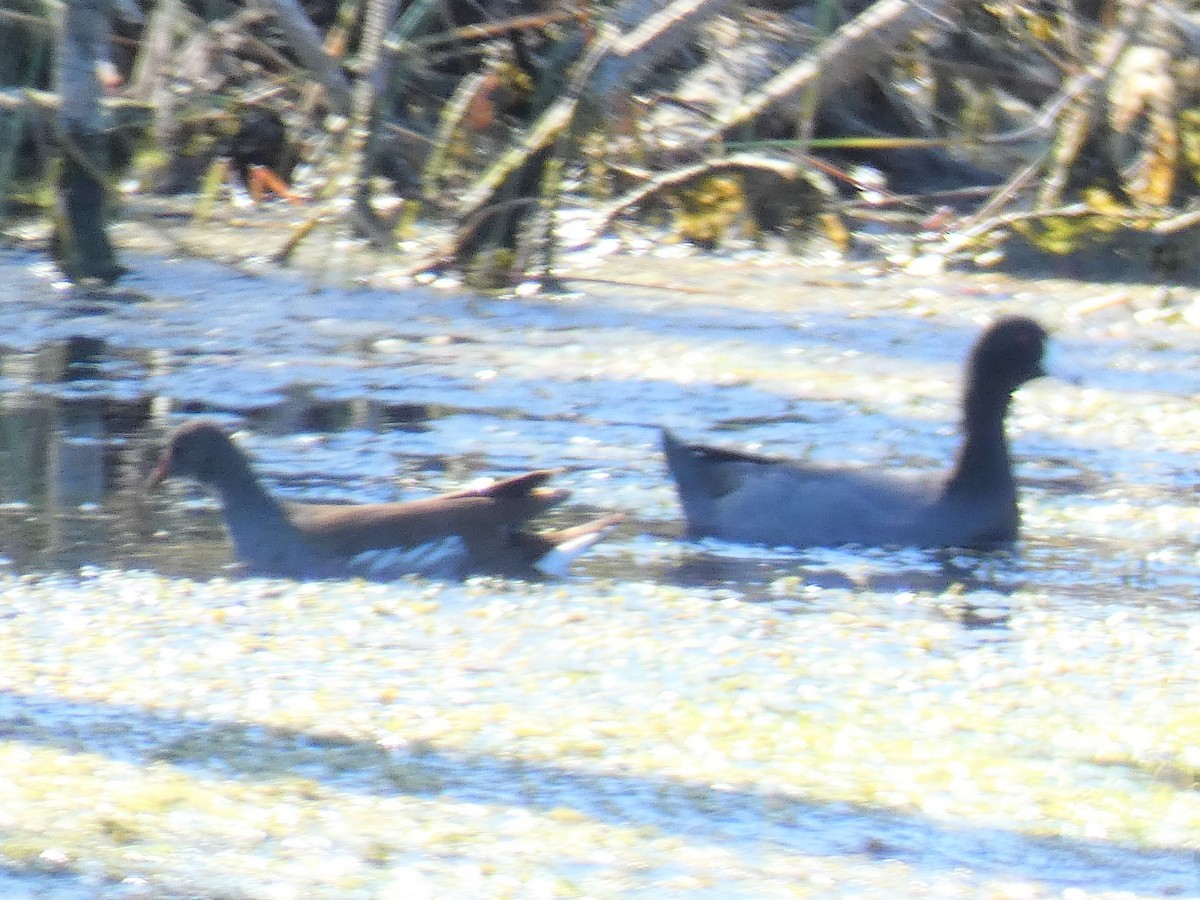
(1060, 137)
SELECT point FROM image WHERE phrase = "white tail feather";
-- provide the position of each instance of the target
(556, 562)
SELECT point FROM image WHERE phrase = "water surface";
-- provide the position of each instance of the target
(707, 719)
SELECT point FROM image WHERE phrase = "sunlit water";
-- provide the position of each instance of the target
(707, 719)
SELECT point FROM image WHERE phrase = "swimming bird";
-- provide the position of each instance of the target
(756, 499)
(472, 531)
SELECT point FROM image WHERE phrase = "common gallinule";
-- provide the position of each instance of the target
(473, 531)
(756, 499)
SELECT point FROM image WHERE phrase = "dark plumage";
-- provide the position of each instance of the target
(474, 531)
(757, 499)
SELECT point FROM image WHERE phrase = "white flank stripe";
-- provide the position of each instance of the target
(434, 557)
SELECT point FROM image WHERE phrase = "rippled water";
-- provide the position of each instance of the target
(670, 724)
(365, 395)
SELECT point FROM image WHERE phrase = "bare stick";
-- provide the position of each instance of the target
(846, 56)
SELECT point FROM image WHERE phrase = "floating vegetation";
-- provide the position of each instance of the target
(609, 739)
(690, 719)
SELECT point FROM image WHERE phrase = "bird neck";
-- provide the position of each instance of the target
(238, 487)
(250, 511)
(983, 458)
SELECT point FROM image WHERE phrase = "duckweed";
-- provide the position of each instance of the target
(701, 720)
(602, 740)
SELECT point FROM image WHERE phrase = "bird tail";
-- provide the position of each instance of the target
(678, 458)
(564, 545)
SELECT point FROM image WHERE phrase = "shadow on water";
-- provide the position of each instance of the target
(63, 454)
(728, 815)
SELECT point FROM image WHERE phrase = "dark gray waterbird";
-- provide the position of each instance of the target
(756, 499)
